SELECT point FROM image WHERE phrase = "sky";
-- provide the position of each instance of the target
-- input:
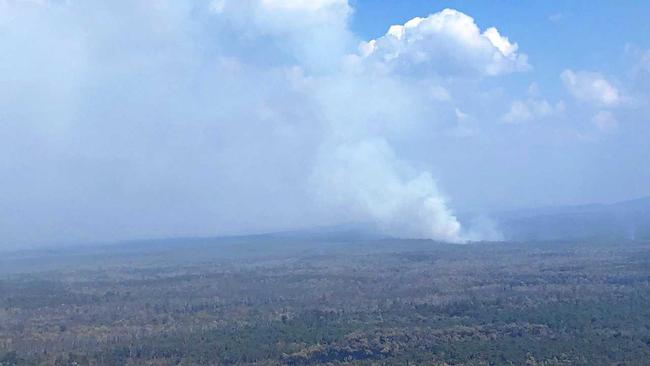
(557, 34)
(158, 118)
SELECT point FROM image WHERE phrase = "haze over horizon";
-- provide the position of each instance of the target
(145, 119)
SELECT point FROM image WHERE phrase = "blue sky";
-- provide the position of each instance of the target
(599, 36)
(579, 34)
(138, 119)
(587, 33)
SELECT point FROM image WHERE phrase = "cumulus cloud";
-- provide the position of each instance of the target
(448, 42)
(591, 87)
(531, 109)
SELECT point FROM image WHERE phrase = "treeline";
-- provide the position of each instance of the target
(467, 305)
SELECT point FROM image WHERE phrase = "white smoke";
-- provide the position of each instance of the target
(146, 119)
(365, 180)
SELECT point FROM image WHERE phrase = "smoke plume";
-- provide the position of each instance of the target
(131, 119)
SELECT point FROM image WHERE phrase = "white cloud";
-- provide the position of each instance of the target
(591, 87)
(310, 6)
(639, 74)
(217, 6)
(502, 43)
(530, 110)
(518, 112)
(312, 33)
(644, 63)
(448, 42)
(284, 15)
(605, 121)
(460, 115)
(439, 93)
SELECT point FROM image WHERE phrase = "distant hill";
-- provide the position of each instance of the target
(628, 220)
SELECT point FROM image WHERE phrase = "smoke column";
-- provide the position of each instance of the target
(139, 119)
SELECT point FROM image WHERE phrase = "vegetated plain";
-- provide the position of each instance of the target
(271, 300)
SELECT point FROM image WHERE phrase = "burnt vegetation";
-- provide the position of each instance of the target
(292, 301)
